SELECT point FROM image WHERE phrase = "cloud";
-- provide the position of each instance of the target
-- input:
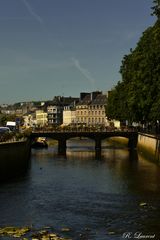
(83, 71)
(32, 12)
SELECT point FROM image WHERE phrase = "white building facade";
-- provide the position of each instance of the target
(69, 116)
(41, 118)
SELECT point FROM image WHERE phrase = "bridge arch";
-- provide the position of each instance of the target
(120, 139)
(62, 137)
(75, 143)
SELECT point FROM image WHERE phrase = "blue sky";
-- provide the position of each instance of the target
(64, 47)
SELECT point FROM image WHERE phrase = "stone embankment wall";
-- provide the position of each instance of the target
(149, 146)
(14, 158)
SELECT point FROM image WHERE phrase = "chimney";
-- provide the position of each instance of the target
(95, 94)
(83, 95)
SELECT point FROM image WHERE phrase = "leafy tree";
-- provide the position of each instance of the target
(156, 8)
(136, 97)
(4, 118)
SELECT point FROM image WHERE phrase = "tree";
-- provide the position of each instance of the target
(4, 118)
(136, 97)
(156, 8)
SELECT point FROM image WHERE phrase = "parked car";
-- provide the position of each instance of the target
(4, 130)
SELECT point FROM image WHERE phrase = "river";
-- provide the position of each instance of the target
(80, 196)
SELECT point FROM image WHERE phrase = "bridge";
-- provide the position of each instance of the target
(63, 136)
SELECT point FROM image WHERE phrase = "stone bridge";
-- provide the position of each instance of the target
(63, 136)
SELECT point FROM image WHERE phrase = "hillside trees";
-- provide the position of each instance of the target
(137, 96)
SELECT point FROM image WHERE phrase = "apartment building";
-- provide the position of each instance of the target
(56, 107)
(82, 108)
(41, 118)
(90, 111)
(69, 116)
(54, 114)
(96, 110)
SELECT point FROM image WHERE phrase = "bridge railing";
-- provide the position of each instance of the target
(45, 130)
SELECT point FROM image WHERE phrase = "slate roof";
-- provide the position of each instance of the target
(86, 100)
(101, 99)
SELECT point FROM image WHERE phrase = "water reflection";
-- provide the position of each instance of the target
(97, 199)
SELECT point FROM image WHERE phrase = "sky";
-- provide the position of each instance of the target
(64, 47)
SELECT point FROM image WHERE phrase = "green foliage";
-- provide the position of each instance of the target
(137, 96)
(156, 8)
(6, 136)
(116, 106)
(4, 118)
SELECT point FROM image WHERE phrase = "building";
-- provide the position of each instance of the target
(96, 110)
(69, 116)
(82, 108)
(41, 118)
(90, 110)
(56, 107)
(29, 120)
(55, 114)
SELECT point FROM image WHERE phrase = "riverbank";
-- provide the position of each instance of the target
(14, 158)
(148, 146)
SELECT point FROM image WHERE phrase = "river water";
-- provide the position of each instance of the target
(116, 196)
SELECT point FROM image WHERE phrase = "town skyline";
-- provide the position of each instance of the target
(87, 109)
(49, 100)
(58, 48)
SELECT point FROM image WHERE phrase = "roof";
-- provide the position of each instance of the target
(85, 101)
(101, 99)
(63, 101)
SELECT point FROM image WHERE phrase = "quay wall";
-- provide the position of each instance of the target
(14, 159)
(149, 146)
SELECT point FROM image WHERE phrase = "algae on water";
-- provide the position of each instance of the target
(14, 231)
(19, 232)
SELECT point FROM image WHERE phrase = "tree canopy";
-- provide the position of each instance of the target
(156, 8)
(137, 96)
